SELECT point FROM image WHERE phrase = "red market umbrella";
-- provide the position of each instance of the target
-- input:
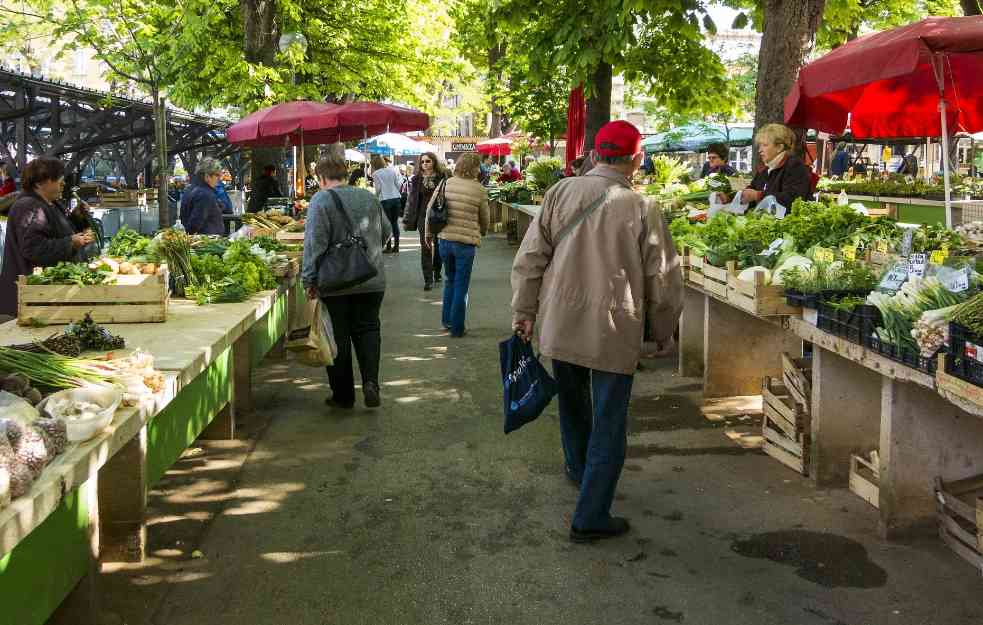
(290, 123)
(501, 146)
(359, 120)
(576, 126)
(918, 80)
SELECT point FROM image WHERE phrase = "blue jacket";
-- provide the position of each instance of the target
(223, 197)
(201, 212)
(840, 164)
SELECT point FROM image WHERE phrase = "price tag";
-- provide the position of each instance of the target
(917, 264)
(881, 247)
(909, 234)
(850, 252)
(894, 279)
(824, 255)
(938, 256)
(957, 281)
(773, 249)
(974, 351)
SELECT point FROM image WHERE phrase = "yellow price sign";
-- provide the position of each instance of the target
(850, 252)
(824, 255)
(881, 247)
(938, 256)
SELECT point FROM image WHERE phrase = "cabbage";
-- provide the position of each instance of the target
(747, 275)
(792, 261)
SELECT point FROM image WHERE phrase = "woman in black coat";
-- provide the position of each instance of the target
(39, 231)
(785, 176)
(423, 184)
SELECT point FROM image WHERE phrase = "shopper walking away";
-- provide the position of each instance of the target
(264, 188)
(592, 265)
(201, 212)
(425, 181)
(386, 182)
(467, 222)
(334, 212)
(841, 160)
(40, 231)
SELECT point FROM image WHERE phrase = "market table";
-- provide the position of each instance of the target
(523, 214)
(90, 503)
(861, 401)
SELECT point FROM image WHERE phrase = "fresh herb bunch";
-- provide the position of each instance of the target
(214, 246)
(816, 223)
(686, 234)
(666, 171)
(127, 243)
(270, 244)
(79, 274)
(935, 237)
(174, 248)
(223, 291)
(93, 336)
(542, 173)
(836, 276)
(252, 272)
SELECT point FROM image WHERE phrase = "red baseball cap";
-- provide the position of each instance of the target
(618, 138)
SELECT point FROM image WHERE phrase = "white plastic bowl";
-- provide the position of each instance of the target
(79, 430)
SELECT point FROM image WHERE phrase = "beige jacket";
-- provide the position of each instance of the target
(467, 211)
(589, 294)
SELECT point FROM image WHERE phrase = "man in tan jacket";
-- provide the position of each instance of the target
(591, 267)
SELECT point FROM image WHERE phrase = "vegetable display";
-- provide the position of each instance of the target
(93, 336)
(127, 243)
(79, 274)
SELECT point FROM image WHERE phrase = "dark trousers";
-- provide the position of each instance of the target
(594, 427)
(392, 209)
(355, 321)
(430, 260)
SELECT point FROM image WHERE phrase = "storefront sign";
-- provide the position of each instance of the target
(462, 147)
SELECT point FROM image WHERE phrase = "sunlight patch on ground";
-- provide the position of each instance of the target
(411, 359)
(405, 382)
(408, 400)
(288, 557)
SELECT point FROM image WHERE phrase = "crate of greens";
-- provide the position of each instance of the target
(107, 291)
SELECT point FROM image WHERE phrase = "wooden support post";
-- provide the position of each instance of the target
(242, 379)
(691, 333)
(222, 427)
(740, 350)
(846, 408)
(922, 437)
(123, 502)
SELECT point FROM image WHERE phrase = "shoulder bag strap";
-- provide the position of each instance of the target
(341, 209)
(584, 214)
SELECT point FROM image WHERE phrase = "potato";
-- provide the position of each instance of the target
(149, 269)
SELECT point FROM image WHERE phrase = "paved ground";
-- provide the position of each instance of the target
(423, 513)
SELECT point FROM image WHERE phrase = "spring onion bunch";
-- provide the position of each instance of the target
(51, 370)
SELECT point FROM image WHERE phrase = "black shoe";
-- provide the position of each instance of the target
(371, 391)
(438, 279)
(331, 402)
(618, 526)
(428, 286)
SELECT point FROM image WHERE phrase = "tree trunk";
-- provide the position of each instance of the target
(789, 33)
(495, 54)
(261, 28)
(164, 217)
(971, 7)
(599, 104)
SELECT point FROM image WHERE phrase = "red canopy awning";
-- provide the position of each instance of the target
(359, 120)
(500, 146)
(284, 124)
(887, 84)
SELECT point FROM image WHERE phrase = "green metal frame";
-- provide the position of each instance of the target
(268, 330)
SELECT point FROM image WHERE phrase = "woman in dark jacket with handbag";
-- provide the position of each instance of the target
(40, 233)
(785, 176)
(430, 174)
(337, 212)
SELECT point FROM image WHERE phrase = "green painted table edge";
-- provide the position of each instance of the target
(265, 333)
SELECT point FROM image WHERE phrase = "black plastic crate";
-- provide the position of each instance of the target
(905, 356)
(803, 300)
(964, 368)
(853, 325)
(961, 338)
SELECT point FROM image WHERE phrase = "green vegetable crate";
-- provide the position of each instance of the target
(786, 427)
(758, 298)
(129, 299)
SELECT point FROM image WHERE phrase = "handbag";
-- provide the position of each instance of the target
(346, 262)
(437, 211)
(527, 387)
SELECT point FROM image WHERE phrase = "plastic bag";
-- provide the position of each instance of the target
(770, 205)
(734, 206)
(528, 387)
(17, 408)
(314, 343)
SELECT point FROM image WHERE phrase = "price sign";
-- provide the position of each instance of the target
(909, 234)
(881, 247)
(917, 264)
(938, 256)
(957, 281)
(850, 252)
(894, 279)
(824, 255)
(773, 249)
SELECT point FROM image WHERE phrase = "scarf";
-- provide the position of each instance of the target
(429, 182)
(777, 162)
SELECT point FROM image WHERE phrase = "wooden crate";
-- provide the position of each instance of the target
(758, 298)
(865, 480)
(797, 376)
(786, 427)
(132, 299)
(715, 279)
(960, 510)
(293, 237)
(694, 275)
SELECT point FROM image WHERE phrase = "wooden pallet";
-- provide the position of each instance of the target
(797, 377)
(131, 299)
(786, 427)
(865, 480)
(694, 275)
(715, 278)
(960, 511)
(758, 298)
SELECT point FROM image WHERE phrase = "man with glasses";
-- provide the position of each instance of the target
(201, 212)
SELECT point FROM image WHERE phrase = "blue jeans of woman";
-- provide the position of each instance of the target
(458, 262)
(594, 427)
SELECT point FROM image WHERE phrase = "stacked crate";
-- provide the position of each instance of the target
(787, 424)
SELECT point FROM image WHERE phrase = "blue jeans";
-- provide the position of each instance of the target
(458, 262)
(594, 426)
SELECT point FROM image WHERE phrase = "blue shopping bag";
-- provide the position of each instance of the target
(528, 387)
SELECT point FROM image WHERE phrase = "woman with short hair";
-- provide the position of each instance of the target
(40, 232)
(332, 213)
(785, 176)
(429, 175)
(201, 212)
(467, 222)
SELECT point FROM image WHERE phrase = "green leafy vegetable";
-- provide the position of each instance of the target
(70, 273)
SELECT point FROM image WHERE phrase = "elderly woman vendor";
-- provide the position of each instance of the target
(786, 177)
(40, 232)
